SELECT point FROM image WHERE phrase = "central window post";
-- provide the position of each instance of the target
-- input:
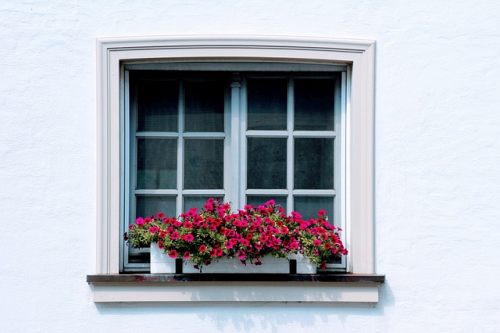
(235, 165)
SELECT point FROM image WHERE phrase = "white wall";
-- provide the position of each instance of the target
(437, 162)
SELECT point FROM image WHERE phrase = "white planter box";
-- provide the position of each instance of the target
(270, 264)
(160, 262)
(304, 266)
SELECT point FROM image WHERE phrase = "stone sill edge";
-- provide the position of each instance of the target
(206, 277)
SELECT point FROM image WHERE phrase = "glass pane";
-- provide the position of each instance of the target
(267, 100)
(156, 163)
(256, 200)
(308, 206)
(149, 205)
(203, 164)
(197, 201)
(313, 163)
(204, 106)
(157, 106)
(266, 164)
(314, 104)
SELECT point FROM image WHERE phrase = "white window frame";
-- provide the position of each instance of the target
(357, 54)
(235, 143)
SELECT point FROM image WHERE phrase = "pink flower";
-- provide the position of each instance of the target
(209, 205)
(202, 248)
(174, 235)
(188, 238)
(154, 229)
(172, 254)
(160, 215)
(321, 213)
(139, 221)
(316, 242)
(270, 203)
(242, 255)
(294, 245)
(284, 230)
(177, 223)
(186, 255)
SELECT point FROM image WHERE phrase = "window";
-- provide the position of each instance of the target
(158, 94)
(244, 134)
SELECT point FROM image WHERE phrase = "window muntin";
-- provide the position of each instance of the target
(277, 153)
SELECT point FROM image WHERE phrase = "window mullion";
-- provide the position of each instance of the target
(243, 143)
(290, 150)
(234, 185)
(180, 150)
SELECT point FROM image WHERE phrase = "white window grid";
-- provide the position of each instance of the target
(235, 153)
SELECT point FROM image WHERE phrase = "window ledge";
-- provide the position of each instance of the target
(235, 287)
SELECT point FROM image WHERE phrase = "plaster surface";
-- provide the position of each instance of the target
(437, 162)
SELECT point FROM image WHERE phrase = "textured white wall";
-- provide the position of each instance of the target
(437, 162)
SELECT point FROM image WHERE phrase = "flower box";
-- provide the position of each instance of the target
(162, 263)
(304, 265)
(220, 240)
(269, 264)
(159, 261)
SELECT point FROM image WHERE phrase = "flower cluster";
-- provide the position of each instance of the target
(248, 234)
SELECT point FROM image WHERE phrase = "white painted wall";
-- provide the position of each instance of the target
(437, 162)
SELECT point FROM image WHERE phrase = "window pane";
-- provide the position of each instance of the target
(197, 201)
(157, 106)
(256, 200)
(314, 104)
(308, 206)
(204, 106)
(203, 164)
(149, 205)
(156, 163)
(267, 99)
(266, 164)
(313, 163)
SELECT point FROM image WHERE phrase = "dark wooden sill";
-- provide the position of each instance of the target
(205, 277)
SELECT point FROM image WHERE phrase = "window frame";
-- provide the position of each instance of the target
(235, 172)
(358, 55)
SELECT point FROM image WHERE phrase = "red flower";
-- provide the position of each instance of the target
(160, 215)
(188, 238)
(139, 221)
(186, 255)
(316, 242)
(202, 248)
(242, 255)
(174, 235)
(154, 229)
(172, 254)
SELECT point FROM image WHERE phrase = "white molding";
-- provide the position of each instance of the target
(242, 292)
(357, 54)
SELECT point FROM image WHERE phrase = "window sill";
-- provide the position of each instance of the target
(235, 287)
